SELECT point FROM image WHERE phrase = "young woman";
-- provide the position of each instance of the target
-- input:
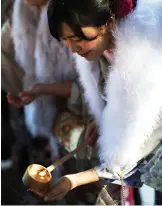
(33, 46)
(125, 95)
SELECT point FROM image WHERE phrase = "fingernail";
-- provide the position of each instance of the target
(46, 198)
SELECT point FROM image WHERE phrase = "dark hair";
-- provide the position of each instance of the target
(77, 14)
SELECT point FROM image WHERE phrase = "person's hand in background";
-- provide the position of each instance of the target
(91, 134)
(24, 98)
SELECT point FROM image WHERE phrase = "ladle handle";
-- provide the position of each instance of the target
(66, 157)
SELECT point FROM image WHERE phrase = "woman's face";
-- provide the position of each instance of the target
(92, 49)
(36, 3)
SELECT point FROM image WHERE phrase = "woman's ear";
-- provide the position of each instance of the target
(109, 26)
(111, 23)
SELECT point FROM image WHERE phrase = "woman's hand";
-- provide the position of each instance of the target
(14, 100)
(60, 189)
(66, 183)
(69, 182)
(33, 93)
(18, 101)
(24, 98)
(91, 134)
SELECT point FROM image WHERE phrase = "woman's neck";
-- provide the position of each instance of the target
(109, 52)
(108, 55)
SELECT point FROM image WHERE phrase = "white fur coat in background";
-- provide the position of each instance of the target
(43, 59)
(130, 123)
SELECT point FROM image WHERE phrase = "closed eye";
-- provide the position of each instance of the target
(76, 40)
(92, 38)
(79, 40)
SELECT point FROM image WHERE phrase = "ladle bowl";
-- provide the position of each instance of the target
(37, 178)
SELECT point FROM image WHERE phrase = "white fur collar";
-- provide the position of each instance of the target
(89, 78)
(134, 87)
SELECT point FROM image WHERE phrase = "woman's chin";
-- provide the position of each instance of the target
(92, 57)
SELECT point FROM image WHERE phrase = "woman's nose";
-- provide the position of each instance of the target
(72, 46)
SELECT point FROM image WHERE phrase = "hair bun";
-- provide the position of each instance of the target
(122, 8)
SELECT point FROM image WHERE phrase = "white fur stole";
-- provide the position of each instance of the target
(44, 60)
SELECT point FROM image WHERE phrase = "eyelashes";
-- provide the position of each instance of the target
(79, 40)
(93, 38)
(88, 39)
